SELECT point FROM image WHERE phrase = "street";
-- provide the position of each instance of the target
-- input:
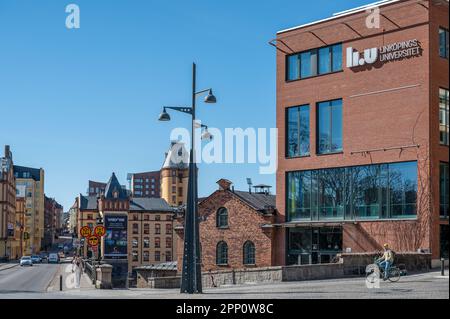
(27, 279)
(420, 286)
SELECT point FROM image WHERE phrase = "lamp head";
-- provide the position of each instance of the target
(210, 98)
(164, 116)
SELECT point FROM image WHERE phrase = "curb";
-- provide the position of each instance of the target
(6, 268)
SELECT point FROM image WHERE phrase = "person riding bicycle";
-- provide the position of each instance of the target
(386, 260)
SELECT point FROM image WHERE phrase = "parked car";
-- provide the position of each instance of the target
(61, 255)
(43, 256)
(26, 261)
(53, 258)
(36, 259)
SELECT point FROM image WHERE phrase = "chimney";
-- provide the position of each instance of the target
(7, 151)
(224, 184)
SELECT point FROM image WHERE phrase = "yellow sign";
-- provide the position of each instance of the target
(85, 231)
(100, 231)
(93, 241)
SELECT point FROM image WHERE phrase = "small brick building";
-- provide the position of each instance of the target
(235, 229)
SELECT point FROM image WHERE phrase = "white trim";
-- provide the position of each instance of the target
(342, 14)
(387, 90)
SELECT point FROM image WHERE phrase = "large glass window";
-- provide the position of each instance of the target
(359, 192)
(313, 62)
(443, 43)
(298, 131)
(222, 218)
(329, 122)
(444, 116)
(444, 194)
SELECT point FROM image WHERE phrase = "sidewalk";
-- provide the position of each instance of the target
(68, 280)
(9, 265)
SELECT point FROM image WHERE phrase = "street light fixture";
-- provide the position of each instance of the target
(191, 281)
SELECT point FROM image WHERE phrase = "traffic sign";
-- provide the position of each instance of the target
(93, 241)
(85, 231)
(100, 231)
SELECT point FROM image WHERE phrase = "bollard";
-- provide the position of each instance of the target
(60, 282)
(442, 266)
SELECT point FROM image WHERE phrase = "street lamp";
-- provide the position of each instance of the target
(191, 281)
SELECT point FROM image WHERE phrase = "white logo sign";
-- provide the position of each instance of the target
(73, 19)
(390, 52)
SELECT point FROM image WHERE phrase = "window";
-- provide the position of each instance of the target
(146, 256)
(89, 216)
(168, 217)
(157, 229)
(444, 116)
(361, 192)
(222, 218)
(146, 242)
(168, 256)
(180, 191)
(146, 229)
(157, 256)
(314, 62)
(249, 253)
(222, 253)
(168, 229)
(443, 189)
(157, 217)
(443, 43)
(174, 189)
(146, 217)
(135, 228)
(135, 255)
(135, 217)
(168, 242)
(329, 124)
(297, 131)
(157, 242)
(135, 242)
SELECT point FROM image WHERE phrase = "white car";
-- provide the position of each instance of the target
(53, 258)
(26, 261)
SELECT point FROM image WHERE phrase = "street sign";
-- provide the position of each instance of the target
(100, 231)
(93, 241)
(85, 231)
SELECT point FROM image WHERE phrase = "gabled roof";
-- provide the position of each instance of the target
(113, 186)
(150, 204)
(88, 202)
(257, 201)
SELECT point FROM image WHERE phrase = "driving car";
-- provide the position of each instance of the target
(43, 256)
(26, 261)
(35, 259)
(53, 258)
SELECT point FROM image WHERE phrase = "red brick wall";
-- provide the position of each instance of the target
(370, 121)
(244, 224)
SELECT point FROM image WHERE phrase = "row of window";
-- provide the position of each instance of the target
(444, 193)
(443, 43)
(147, 217)
(357, 192)
(146, 242)
(314, 62)
(329, 129)
(444, 116)
(146, 230)
(248, 253)
(146, 256)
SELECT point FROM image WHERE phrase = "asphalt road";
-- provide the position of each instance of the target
(27, 279)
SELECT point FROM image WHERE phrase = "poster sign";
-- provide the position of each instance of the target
(116, 237)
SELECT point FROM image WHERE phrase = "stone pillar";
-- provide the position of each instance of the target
(104, 278)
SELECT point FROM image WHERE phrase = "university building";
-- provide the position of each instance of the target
(363, 146)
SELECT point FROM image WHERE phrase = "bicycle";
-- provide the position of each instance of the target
(393, 275)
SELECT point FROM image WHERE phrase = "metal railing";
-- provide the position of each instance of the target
(90, 269)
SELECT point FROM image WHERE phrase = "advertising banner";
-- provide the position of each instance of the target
(116, 237)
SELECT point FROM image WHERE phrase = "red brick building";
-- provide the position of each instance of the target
(362, 113)
(235, 229)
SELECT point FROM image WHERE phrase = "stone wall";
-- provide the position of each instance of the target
(412, 261)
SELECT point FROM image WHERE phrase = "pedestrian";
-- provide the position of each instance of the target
(77, 268)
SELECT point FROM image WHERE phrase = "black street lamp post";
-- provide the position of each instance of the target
(191, 281)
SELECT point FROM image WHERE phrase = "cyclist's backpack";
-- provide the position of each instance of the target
(394, 254)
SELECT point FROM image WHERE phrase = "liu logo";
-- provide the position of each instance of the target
(355, 59)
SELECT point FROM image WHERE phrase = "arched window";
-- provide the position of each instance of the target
(249, 253)
(222, 253)
(222, 218)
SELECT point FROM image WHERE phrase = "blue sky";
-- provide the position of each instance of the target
(84, 103)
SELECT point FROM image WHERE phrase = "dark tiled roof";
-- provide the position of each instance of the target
(257, 201)
(150, 204)
(35, 173)
(88, 202)
(162, 266)
(114, 186)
